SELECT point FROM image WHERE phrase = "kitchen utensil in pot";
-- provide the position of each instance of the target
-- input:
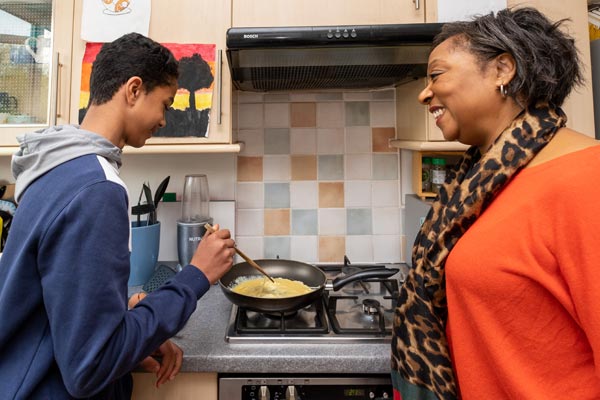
(244, 256)
(308, 274)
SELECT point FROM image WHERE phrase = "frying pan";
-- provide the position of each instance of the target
(310, 275)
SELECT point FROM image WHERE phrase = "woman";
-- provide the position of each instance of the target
(502, 300)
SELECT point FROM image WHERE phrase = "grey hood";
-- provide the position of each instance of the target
(45, 149)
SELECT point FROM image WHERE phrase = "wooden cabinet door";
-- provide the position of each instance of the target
(35, 92)
(333, 12)
(185, 386)
(413, 121)
(182, 21)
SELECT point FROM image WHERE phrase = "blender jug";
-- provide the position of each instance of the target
(194, 215)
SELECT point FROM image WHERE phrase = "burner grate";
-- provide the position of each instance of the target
(301, 322)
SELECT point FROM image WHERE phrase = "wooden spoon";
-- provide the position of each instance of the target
(244, 256)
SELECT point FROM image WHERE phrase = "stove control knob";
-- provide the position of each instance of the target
(291, 393)
(263, 393)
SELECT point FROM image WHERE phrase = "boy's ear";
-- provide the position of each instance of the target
(133, 89)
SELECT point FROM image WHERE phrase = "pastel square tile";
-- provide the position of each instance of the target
(381, 139)
(304, 222)
(276, 168)
(276, 97)
(303, 97)
(387, 94)
(358, 139)
(303, 115)
(304, 248)
(357, 113)
(249, 97)
(277, 141)
(304, 168)
(357, 96)
(277, 195)
(386, 248)
(357, 193)
(277, 247)
(332, 248)
(383, 113)
(253, 247)
(303, 141)
(330, 115)
(249, 222)
(250, 116)
(329, 96)
(253, 140)
(386, 221)
(358, 166)
(330, 141)
(359, 221)
(277, 222)
(249, 169)
(331, 167)
(304, 194)
(359, 249)
(249, 195)
(332, 221)
(277, 115)
(385, 166)
(385, 193)
(331, 194)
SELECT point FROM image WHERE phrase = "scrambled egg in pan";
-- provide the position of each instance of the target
(264, 288)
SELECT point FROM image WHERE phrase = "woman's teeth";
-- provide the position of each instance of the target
(438, 113)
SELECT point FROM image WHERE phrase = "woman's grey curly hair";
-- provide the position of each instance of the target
(547, 61)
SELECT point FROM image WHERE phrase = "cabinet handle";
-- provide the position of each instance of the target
(57, 105)
(219, 84)
(417, 4)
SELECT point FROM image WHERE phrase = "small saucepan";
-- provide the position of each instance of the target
(308, 274)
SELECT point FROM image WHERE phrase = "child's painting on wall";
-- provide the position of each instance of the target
(190, 113)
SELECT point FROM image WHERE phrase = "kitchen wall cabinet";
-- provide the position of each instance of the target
(38, 88)
(182, 21)
(186, 386)
(333, 12)
(415, 126)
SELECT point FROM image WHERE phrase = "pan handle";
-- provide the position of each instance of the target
(370, 273)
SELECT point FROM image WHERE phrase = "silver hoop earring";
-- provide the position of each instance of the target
(503, 90)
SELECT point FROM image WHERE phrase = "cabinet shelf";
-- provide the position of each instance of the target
(427, 146)
(161, 149)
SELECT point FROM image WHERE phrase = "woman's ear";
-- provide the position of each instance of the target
(133, 89)
(506, 68)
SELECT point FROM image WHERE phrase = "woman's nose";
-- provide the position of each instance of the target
(425, 95)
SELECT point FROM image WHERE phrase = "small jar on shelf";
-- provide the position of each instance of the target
(426, 174)
(438, 173)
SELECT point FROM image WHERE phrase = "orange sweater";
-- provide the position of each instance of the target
(523, 287)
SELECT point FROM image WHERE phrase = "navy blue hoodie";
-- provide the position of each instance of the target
(65, 329)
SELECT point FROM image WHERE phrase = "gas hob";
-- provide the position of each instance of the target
(360, 311)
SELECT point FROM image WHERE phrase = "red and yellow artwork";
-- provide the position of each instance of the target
(193, 77)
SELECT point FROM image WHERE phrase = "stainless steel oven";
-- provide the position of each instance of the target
(300, 387)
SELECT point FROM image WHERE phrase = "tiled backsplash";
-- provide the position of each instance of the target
(316, 179)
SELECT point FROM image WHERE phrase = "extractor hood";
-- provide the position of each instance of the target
(324, 57)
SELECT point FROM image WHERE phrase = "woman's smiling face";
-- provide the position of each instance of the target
(462, 94)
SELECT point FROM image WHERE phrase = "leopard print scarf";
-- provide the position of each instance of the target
(421, 366)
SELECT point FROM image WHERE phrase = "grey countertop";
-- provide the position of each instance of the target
(205, 349)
